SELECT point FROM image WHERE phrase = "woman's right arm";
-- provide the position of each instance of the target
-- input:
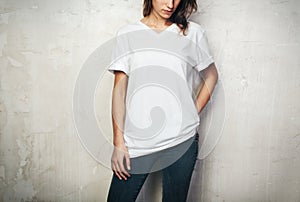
(118, 116)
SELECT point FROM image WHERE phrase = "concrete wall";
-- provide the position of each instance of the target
(43, 44)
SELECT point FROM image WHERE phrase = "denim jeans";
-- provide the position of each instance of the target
(175, 179)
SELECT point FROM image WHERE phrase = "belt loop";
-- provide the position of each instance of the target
(197, 136)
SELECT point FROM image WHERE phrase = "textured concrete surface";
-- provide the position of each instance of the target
(43, 45)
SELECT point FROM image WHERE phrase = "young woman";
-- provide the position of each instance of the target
(163, 15)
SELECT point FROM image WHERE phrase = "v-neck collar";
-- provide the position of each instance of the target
(153, 29)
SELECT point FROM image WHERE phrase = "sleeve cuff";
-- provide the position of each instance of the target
(204, 64)
(113, 69)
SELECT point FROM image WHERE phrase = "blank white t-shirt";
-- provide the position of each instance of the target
(163, 83)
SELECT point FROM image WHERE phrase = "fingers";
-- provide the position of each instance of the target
(122, 172)
(117, 164)
(115, 171)
(119, 173)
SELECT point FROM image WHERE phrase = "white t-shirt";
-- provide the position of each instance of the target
(163, 83)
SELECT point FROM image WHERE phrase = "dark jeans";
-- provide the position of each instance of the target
(175, 179)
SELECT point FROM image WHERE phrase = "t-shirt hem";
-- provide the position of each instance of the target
(134, 154)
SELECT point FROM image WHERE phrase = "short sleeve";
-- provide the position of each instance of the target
(204, 57)
(119, 56)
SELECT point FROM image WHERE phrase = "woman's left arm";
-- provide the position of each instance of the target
(210, 79)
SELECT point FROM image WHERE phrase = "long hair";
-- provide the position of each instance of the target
(180, 15)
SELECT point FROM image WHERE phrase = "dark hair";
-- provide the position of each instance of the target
(180, 15)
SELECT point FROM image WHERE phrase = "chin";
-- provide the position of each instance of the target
(166, 16)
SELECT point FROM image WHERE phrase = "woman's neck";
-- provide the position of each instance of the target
(155, 21)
